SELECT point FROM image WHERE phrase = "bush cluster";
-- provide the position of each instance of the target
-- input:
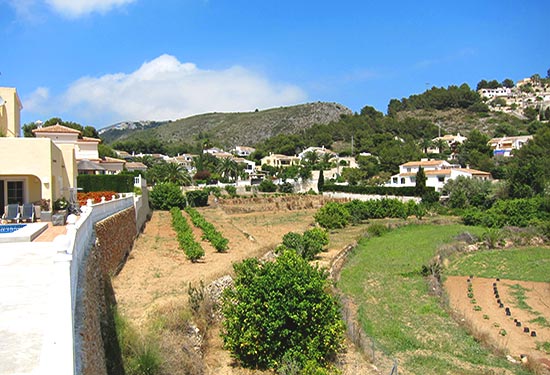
(100, 182)
(210, 233)
(166, 195)
(193, 250)
(197, 198)
(308, 245)
(280, 313)
(514, 212)
(338, 215)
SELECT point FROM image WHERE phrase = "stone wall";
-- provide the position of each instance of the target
(99, 353)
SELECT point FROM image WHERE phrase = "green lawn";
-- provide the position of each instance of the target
(394, 307)
(529, 264)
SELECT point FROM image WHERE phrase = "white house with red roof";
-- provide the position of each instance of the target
(438, 173)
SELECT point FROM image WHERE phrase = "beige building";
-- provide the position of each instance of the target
(10, 109)
(31, 169)
(278, 160)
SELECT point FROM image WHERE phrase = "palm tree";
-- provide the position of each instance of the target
(176, 173)
(228, 168)
(311, 158)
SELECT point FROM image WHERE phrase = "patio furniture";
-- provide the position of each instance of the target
(27, 212)
(11, 213)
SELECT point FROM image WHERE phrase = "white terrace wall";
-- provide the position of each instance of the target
(71, 344)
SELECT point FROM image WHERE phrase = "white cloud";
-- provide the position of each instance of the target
(78, 8)
(165, 88)
(37, 101)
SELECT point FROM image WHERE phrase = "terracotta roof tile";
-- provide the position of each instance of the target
(56, 129)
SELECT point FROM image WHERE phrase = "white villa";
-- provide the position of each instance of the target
(243, 151)
(320, 151)
(450, 140)
(438, 172)
(504, 146)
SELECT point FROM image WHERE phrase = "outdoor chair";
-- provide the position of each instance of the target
(11, 213)
(27, 212)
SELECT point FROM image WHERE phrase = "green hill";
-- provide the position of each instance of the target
(230, 129)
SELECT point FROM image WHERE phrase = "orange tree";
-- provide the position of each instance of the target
(280, 313)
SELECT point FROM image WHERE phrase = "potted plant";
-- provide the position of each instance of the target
(60, 211)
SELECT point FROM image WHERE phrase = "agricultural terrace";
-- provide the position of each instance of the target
(395, 306)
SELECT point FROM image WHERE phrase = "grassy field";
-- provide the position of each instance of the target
(384, 278)
(530, 264)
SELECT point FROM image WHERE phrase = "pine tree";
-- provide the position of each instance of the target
(321, 181)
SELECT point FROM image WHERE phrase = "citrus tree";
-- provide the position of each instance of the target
(280, 312)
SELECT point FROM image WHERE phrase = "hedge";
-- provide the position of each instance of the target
(406, 191)
(105, 182)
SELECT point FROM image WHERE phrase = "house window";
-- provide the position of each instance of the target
(403, 180)
(395, 180)
(15, 192)
(441, 178)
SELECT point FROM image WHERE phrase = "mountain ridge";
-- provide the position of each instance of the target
(229, 129)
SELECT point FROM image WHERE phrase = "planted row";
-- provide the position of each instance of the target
(193, 250)
(210, 233)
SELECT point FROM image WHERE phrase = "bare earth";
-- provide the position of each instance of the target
(157, 274)
(491, 320)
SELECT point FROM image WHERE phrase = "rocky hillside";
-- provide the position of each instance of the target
(230, 129)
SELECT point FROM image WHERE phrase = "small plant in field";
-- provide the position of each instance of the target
(473, 301)
(544, 346)
(196, 296)
(502, 332)
(470, 295)
(492, 237)
(485, 316)
(477, 308)
(377, 230)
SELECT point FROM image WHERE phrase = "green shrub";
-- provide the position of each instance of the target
(308, 245)
(281, 312)
(286, 187)
(377, 230)
(513, 212)
(166, 195)
(231, 190)
(267, 186)
(105, 182)
(140, 355)
(333, 216)
(197, 198)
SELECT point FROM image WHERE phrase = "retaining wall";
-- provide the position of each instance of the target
(94, 327)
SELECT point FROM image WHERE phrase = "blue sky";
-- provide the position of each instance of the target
(97, 62)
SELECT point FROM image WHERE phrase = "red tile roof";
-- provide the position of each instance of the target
(56, 129)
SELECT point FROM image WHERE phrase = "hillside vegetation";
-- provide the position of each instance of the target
(232, 129)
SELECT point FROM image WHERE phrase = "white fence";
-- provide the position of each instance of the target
(58, 355)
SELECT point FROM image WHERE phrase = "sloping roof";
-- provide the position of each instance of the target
(56, 129)
(86, 165)
(473, 171)
(112, 160)
(89, 139)
(423, 163)
(136, 165)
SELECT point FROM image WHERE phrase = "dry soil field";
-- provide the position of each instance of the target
(156, 276)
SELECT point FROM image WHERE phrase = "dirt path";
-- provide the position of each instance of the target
(491, 321)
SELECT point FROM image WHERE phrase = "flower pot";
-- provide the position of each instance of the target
(45, 216)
